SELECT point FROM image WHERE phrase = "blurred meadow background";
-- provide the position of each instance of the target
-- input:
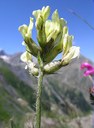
(65, 100)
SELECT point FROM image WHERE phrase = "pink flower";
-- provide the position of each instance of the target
(86, 65)
(89, 69)
(89, 72)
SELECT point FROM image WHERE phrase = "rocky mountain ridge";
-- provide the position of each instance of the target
(65, 93)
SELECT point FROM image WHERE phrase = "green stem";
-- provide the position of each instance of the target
(12, 125)
(39, 93)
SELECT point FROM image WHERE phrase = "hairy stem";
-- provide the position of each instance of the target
(39, 93)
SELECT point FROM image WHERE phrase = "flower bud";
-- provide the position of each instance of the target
(40, 25)
(41, 37)
(55, 16)
(30, 27)
(45, 12)
(73, 53)
(25, 57)
(52, 67)
(36, 13)
(51, 30)
(67, 43)
(65, 30)
(57, 48)
(23, 29)
(39, 22)
(26, 30)
(52, 36)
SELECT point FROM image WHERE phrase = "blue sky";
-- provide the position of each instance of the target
(14, 13)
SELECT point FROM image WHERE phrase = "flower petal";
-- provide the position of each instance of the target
(86, 65)
(25, 57)
(89, 72)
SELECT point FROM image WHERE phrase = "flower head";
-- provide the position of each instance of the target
(86, 65)
(53, 38)
(89, 69)
(89, 72)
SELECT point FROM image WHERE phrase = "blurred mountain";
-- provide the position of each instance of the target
(2, 52)
(65, 93)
